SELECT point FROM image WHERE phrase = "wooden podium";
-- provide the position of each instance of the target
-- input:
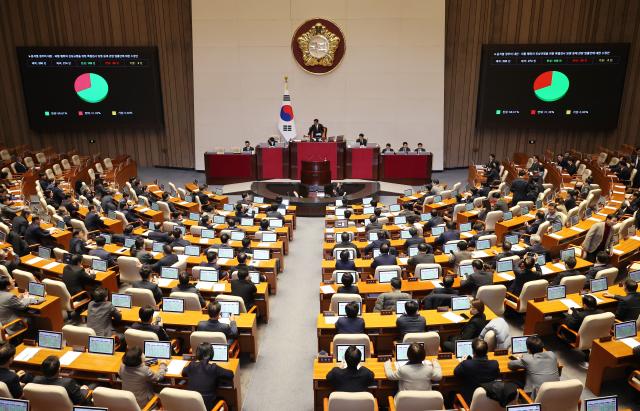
(315, 173)
(333, 152)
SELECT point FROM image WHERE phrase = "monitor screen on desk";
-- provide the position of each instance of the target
(437, 199)
(209, 274)
(192, 250)
(404, 234)
(437, 230)
(101, 345)
(598, 285)
(465, 270)
(425, 216)
(429, 273)
(368, 210)
(468, 207)
(565, 254)
(269, 237)
(507, 216)
(342, 305)
(483, 244)
(98, 264)
(157, 349)
(464, 348)
(13, 405)
(465, 227)
(129, 242)
(367, 200)
(170, 273)
(519, 344)
(502, 266)
(526, 407)
(512, 239)
(556, 292)
(625, 329)
(609, 403)
(408, 192)
(261, 255)
(635, 275)
(341, 349)
(227, 207)
(44, 252)
(460, 303)
(220, 352)
(400, 306)
(412, 251)
(207, 233)
(237, 235)
(36, 289)
(394, 208)
(121, 300)
(542, 260)
(246, 221)
(227, 308)
(225, 252)
(373, 236)
(387, 276)
(50, 339)
(156, 247)
(172, 305)
(194, 216)
(219, 219)
(376, 252)
(107, 237)
(400, 219)
(450, 248)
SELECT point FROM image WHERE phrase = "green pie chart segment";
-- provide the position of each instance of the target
(91, 87)
(551, 86)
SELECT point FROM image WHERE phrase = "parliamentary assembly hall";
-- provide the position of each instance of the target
(319, 205)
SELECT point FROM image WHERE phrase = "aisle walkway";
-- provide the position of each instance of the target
(281, 379)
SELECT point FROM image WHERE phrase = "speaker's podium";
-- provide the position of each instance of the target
(331, 151)
(272, 162)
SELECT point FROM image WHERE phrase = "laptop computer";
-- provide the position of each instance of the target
(172, 305)
(368, 210)
(598, 285)
(194, 216)
(121, 300)
(7, 404)
(207, 233)
(98, 265)
(50, 339)
(343, 304)
(107, 238)
(387, 276)
(507, 216)
(524, 209)
(258, 200)
(209, 274)
(224, 252)
(237, 235)
(44, 252)
(483, 244)
(465, 227)
(372, 236)
(254, 276)
(169, 272)
(556, 292)
(227, 308)
(275, 223)
(394, 208)
(400, 220)
(408, 192)
(437, 199)
(36, 289)
(556, 227)
(404, 234)
(542, 260)
(609, 403)
(101, 345)
(513, 239)
(157, 349)
(460, 303)
(503, 266)
(425, 216)
(219, 219)
(519, 344)
(341, 349)
(464, 348)
(635, 275)
(192, 250)
(525, 407)
(625, 329)
(400, 306)
(465, 270)
(566, 254)
(449, 248)
(220, 352)
(156, 247)
(261, 255)
(367, 200)
(246, 221)
(437, 230)
(429, 273)
(413, 250)
(129, 242)
(468, 207)
(269, 237)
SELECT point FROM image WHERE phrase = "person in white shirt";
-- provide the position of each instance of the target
(501, 330)
(417, 374)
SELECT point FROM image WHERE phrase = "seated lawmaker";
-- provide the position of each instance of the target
(213, 324)
(185, 287)
(147, 323)
(417, 374)
(576, 316)
(541, 366)
(204, 376)
(387, 301)
(405, 149)
(361, 140)
(137, 377)
(629, 305)
(345, 242)
(351, 323)
(473, 372)
(344, 263)
(478, 278)
(471, 329)
(316, 131)
(167, 260)
(347, 286)
(387, 149)
(411, 321)
(420, 149)
(351, 378)
(441, 296)
(51, 376)
(247, 147)
(385, 258)
(146, 283)
(244, 288)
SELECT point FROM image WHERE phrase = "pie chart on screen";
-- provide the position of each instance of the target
(551, 86)
(91, 87)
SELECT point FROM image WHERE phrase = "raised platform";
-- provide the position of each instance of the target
(313, 206)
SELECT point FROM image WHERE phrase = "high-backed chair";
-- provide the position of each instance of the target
(561, 395)
(458, 208)
(23, 278)
(479, 402)
(140, 297)
(181, 264)
(75, 336)
(610, 274)
(490, 339)
(416, 401)
(493, 239)
(350, 401)
(46, 397)
(174, 399)
(531, 290)
(196, 230)
(121, 400)
(164, 207)
(129, 268)
(136, 338)
(336, 252)
(343, 298)
(492, 218)
(430, 339)
(356, 276)
(380, 268)
(4, 391)
(243, 308)
(593, 327)
(198, 337)
(353, 339)
(69, 302)
(493, 296)
(574, 283)
(191, 300)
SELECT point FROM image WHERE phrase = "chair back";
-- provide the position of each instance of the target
(75, 336)
(493, 297)
(23, 278)
(430, 339)
(226, 297)
(356, 276)
(191, 300)
(198, 337)
(4, 391)
(164, 207)
(45, 397)
(610, 274)
(121, 400)
(338, 250)
(108, 163)
(79, 225)
(574, 283)
(593, 327)
(65, 164)
(353, 339)
(427, 266)
(59, 289)
(352, 401)
(492, 218)
(458, 208)
(419, 400)
(140, 297)
(560, 395)
(531, 290)
(543, 228)
(343, 298)
(168, 226)
(196, 230)
(480, 402)
(174, 399)
(59, 253)
(380, 268)
(128, 267)
(493, 239)
(136, 338)
(490, 339)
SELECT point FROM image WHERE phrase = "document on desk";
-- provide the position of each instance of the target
(69, 357)
(331, 319)
(360, 229)
(327, 289)
(617, 252)
(506, 276)
(516, 248)
(143, 209)
(50, 266)
(635, 237)
(578, 229)
(34, 260)
(218, 287)
(560, 266)
(204, 285)
(403, 260)
(329, 230)
(437, 284)
(631, 342)
(455, 318)
(556, 236)
(27, 354)
(479, 254)
(204, 241)
(598, 300)
(224, 320)
(175, 367)
(594, 219)
(570, 303)
(546, 270)
(164, 282)
(223, 261)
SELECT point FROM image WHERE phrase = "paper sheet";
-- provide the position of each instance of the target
(69, 357)
(452, 317)
(327, 289)
(570, 303)
(360, 229)
(223, 261)
(437, 284)
(218, 287)
(506, 276)
(617, 252)
(329, 230)
(204, 241)
(34, 260)
(27, 354)
(331, 320)
(143, 209)
(164, 282)
(578, 229)
(631, 342)
(516, 248)
(546, 270)
(556, 236)
(479, 254)
(403, 260)
(560, 266)
(50, 266)
(175, 367)
(594, 219)
(204, 285)
(635, 237)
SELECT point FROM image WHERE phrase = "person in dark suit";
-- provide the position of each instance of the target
(75, 277)
(51, 376)
(570, 263)
(536, 247)
(347, 286)
(383, 238)
(361, 140)
(204, 376)
(420, 149)
(384, 258)
(247, 147)
(478, 278)
(576, 316)
(473, 372)
(471, 329)
(530, 271)
(405, 149)
(415, 238)
(424, 256)
(20, 223)
(146, 317)
(101, 253)
(387, 149)
(352, 378)
(92, 220)
(36, 235)
(346, 243)
(57, 194)
(351, 323)
(271, 142)
(167, 261)
(178, 241)
(316, 131)
(441, 296)
(344, 263)
(451, 233)
(77, 244)
(411, 321)
(493, 163)
(374, 224)
(629, 305)
(145, 274)
(602, 263)
(214, 325)
(185, 287)
(7, 375)
(243, 287)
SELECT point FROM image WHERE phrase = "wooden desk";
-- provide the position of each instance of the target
(219, 199)
(48, 314)
(113, 226)
(62, 237)
(607, 358)
(503, 227)
(149, 214)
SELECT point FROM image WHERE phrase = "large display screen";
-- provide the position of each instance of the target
(69, 88)
(575, 86)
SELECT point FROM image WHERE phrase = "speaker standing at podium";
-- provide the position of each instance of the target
(316, 131)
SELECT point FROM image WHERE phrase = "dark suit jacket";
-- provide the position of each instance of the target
(414, 241)
(166, 261)
(75, 278)
(19, 224)
(350, 380)
(230, 330)
(347, 244)
(103, 255)
(522, 277)
(158, 330)
(12, 380)
(346, 325)
(349, 265)
(628, 307)
(78, 246)
(245, 289)
(411, 324)
(474, 372)
(473, 327)
(519, 189)
(564, 274)
(73, 389)
(439, 297)
(477, 280)
(448, 235)
(35, 235)
(316, 130)
(375, 244)
(158, 236)
(157, 293)
(93, 222)
(383, 259)
(204, 378)
(420, 259)
(352, 289)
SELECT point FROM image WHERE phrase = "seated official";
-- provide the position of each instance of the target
(441, 296)
(351, 378)
(204, 376)
(471, 329)
(224, 243)
(51, 376)
(11, 378)
(244, 288)
(411, 321)
(146, 283)
(247, 147)
(137, 377)
(34, 234)
(242, 262)
(462, 254)
(387, 149)
(316, 131)
(185, 287)
(417, 374)
(506, 251)
(602, 263)
(501, 330)
(271, 142)
(101, 253)
(530, 271)
(424, 256)
(405, 149)
(576, 316)
(415, 238)
(12, 307)
(101, 314)
(178, 241)
(532, 227)
(451, 233)
(570, 263)
(157, 235)
(361, 140)
(146, 317)
(344, 263)
(541, 366)
(92, 220)
(167, 260)
(473, 372)
(138, 251)
(347, 286)
(9, 260)
(629, 305)
(383, 238)
(213, 324)
(385, 258)
(75, 277)
(420, 149)
(351, 323)
(536, 247)
(345, 242)
(478, 278)
(78, 243)
(387, 301)
(246, 246)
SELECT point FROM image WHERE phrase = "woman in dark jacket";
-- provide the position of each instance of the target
(203, 376)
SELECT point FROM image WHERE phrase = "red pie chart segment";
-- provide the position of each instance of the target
(543, 80)
(91, 87)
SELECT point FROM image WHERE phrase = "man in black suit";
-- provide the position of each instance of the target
(424, 256)
(20, 223)
(374, 224)
(415, 238)
(352, 378)
(493, 163)
(570, 263)
(75, 277)
(576, 316)
(629, 305)
(51, 376)
(473, 372)
(405, 149)
(351, 323)
(92, 220)
(146, 317)
(58, 194)
(361, 140)
(101, 253)
(382, 239)
(243, 287)
(168, 260)
(384, 258)
(387, 149)
(478, 278)
(214, 325)
(145, 274)
(184, 286)
(36, 235)
(247, 147)
(316, 131)
(411, 321)
(345, 242)
(156, 235)
(530, 271)
(602, 263)
(420, 149)
(450, 233)
(441, 296)
(471, 329)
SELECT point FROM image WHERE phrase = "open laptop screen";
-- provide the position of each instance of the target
(609, 403)
(157, 349)
(101, 345)
(50, 339)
